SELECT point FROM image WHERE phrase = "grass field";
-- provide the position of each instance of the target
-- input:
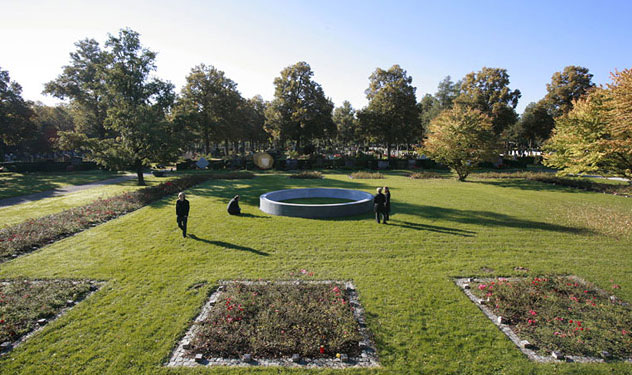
(20, 212)
(16, 184)
(403, 271)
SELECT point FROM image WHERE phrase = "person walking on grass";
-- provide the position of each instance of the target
(378, 205)
(182, 211)
(233, 206)
(387, 203)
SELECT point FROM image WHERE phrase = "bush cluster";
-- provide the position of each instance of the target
(279, 320)
(425, 175)
(307, 175)
(34, 233)
(367, 175)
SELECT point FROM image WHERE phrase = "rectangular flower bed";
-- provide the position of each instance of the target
(26, 305)
(284, 323)
(557, 317)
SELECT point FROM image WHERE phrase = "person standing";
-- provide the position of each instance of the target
(182, 212)
(387, 203)
(378, 205)
(233, 206)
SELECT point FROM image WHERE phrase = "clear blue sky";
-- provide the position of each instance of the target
(343, 41)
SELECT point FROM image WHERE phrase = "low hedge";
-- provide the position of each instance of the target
(47, 166)
(32, 234)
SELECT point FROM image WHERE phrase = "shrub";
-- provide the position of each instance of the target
(366, 175)
(307, 175)
(425, 175)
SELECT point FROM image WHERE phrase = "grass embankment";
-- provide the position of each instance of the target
(403, 271)
(15, 184)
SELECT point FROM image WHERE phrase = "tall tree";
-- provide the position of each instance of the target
(488, 91)
(346, 123)
(83, 83)
(255, 121)
(208, 102)
(535, 125)
(135, 126)
(392, 115)
(49, 121)
(16, 116)
(596, 135)
(447, 91)
(460, 138)
(300, 111)
(566, 87)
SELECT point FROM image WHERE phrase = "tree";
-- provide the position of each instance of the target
(208, 102)
(346, 123)
(447, 91)
(136, 131)
(255, 119)
(566, 87)
(83, 82)
(460, 138)
(535, 125)
(300, 111)
(16, 116)
(596, 135)
(49, 121)
(488, 91)
(392, 115)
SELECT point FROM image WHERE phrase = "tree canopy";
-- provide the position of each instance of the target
(16, 116)
(346, 123)
(392, 115)
(135, 130)
(300, 111)
(535, 125)
(566, 87)
(595, 136)
(460, 138)
(488, 91)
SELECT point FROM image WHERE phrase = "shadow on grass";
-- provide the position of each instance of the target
(524, 184)
(432, 228)
(228, 245)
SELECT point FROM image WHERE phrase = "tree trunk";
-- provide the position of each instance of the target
(388, 151)
(226, 147)
(139, 173)
(206, 142)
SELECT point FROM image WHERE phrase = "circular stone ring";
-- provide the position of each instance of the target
(272, 203)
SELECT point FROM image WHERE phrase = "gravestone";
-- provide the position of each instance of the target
(202, 163)
(263, 160)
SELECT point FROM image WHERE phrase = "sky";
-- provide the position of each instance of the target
(342, 41)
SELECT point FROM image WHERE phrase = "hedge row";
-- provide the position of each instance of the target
(32, 234)
(47, 166)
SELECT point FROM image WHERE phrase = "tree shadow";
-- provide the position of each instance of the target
(432, 228)
(523, 184)
(228, 245)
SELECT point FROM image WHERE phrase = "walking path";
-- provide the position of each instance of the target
(63, 191)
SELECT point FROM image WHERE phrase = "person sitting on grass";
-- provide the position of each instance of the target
(378, 205)
(233, 206)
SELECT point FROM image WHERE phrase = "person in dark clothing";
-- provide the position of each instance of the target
(182, 211)
(233, 206)
(378, 205)
(387, 203)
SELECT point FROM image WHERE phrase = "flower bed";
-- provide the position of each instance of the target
(27, 304)
(276, 320)
(425, 175)
(32, 234)
(561, 314)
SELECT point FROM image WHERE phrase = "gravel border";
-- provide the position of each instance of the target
(367, 359)
(524, 346)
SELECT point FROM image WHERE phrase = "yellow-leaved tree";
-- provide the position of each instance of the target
(596, 135)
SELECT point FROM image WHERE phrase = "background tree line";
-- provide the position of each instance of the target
(118, 114)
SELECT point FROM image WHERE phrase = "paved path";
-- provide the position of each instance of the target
(63, 191)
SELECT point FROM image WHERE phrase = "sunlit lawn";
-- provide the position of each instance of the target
(403, 271)
(24, 211)
(16, 184)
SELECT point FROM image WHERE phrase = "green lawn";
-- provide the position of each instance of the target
(16, 184)
(21, 212)
(403, 271)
